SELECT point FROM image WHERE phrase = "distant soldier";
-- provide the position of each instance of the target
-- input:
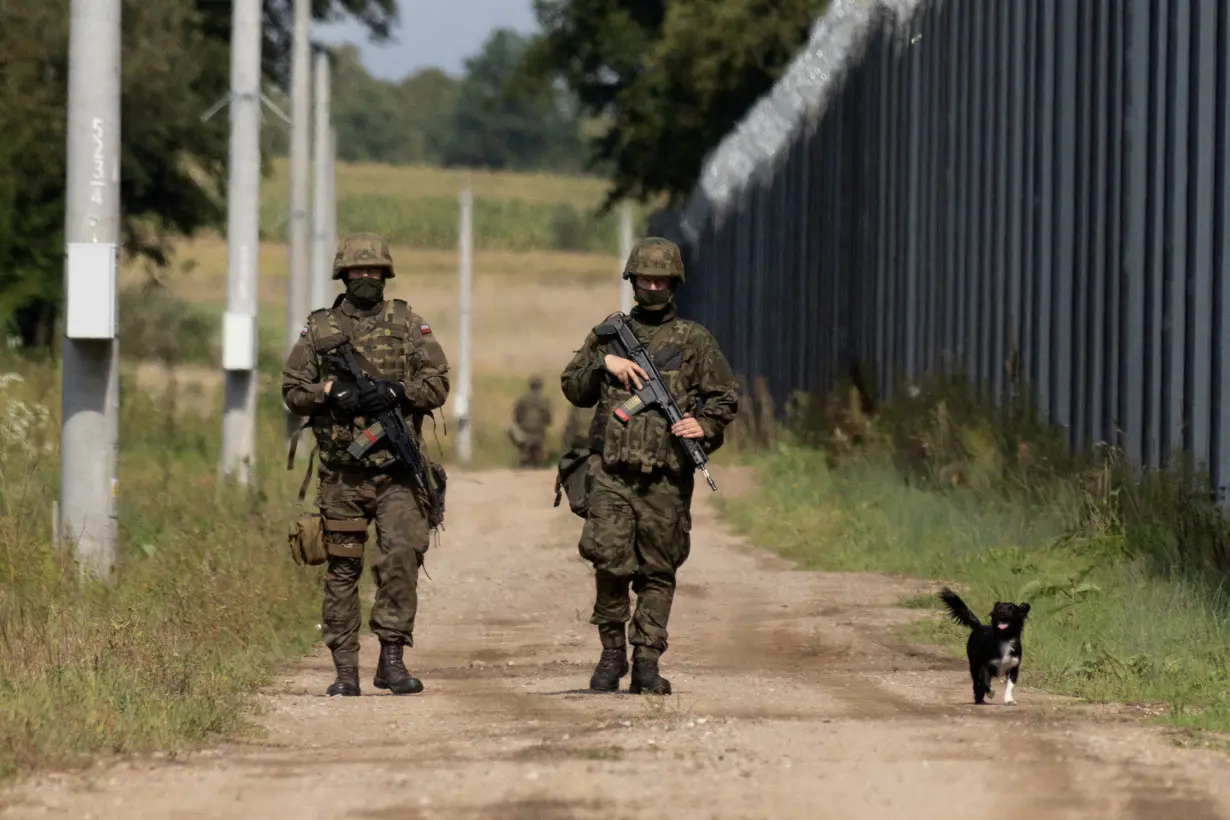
(531, 418)
(637, 532)
(410, 371)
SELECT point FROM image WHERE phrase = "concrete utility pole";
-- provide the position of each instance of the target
(242, 241)
(465, 275)
(331, 197)
(625, 248)
(298, 281)
(322, 252)
(90, 402)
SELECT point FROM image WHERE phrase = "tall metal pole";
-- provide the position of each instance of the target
(298, 281)
(465, 272)
(89, 434)
(331, 195)
(243, 237)
(625, 249)
(322, 252)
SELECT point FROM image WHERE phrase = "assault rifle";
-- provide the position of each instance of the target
(341, 358)
(653, 392)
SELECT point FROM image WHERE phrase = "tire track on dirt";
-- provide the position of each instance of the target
(791, 701)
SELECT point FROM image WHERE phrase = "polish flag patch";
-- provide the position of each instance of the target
(425, 328)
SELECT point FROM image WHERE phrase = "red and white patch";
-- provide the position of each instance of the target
(425, 328)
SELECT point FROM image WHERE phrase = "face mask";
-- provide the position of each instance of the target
(652, 298)
(365, 292)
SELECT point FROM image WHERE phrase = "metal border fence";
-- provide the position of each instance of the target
(948, 184)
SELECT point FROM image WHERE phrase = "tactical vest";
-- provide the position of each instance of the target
(645, 443)
(384, 340)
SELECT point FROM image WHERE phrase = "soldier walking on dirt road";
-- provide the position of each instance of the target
(531, 418)
(638, 527)
(396, 348)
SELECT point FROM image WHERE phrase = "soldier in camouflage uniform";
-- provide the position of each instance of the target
(413, 376)
(531, 418)
(638, 529)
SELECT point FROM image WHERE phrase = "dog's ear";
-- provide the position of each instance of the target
(1023, 609)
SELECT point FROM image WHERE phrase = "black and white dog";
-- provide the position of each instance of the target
(994, 650)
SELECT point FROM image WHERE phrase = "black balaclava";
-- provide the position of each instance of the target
(654, 298)
(365, 292)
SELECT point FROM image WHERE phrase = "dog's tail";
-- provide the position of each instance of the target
(958, 611)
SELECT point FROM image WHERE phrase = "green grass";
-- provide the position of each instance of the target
(418, 206)
(1109, 622)
(206, 603)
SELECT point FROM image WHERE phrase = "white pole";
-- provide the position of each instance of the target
(625, 249)
(322, 252)
(331, 196)
(298, 280)
(89, 433)
(243, 245)
(461, 406)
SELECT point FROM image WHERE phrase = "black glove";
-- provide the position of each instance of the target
(381, 396)
(345, 395)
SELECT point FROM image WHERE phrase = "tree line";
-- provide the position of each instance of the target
(478, 120)
(638, 91)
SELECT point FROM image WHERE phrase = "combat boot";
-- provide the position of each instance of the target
(645, 677)
(347, 681)
(612, 666)
(391, 672)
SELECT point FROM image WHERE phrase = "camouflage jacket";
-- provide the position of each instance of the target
(696, 373)
(532, 413)
(395, 340)
(577, 429)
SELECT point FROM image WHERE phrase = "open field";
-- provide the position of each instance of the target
(418, 206)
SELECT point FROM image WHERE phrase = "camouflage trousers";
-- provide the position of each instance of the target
(638, 534)
(532, 451)
(350, 500)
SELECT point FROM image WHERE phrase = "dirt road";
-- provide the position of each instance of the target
(791, 702)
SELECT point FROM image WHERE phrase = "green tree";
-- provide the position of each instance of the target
(667, 78)
(173, 168)
(395, 123)
(504, 119)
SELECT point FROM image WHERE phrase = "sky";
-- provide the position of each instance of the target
(432, 33)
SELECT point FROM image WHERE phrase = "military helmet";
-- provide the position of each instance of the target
(535, 383)
(655, 256)
(362, 250)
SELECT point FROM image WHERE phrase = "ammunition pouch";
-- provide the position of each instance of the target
(307, 540)
(575, 478)
(348, 547)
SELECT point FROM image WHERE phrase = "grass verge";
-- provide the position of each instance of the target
(205, 605)
(1124, 576)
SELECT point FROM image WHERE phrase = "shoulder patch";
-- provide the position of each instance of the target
(425, 328)
(303, 331)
